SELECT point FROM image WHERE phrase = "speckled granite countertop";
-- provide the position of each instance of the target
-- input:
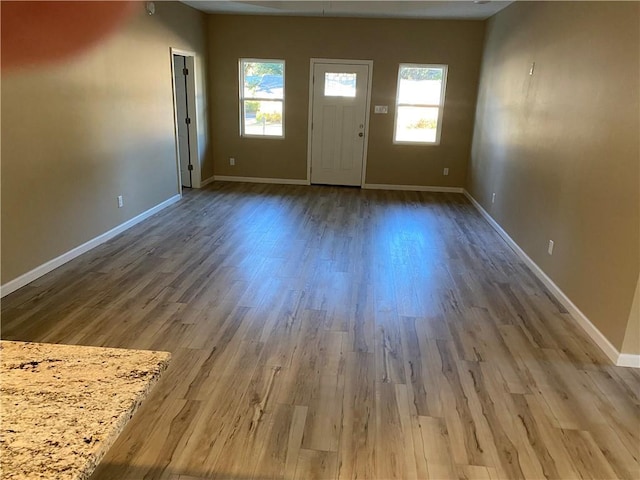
(64, 405)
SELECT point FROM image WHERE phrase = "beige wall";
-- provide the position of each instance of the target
(75, 136)
(560, 148)
(387, 43)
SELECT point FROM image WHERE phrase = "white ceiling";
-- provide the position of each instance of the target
(453, 9)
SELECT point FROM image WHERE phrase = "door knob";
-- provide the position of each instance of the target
(361, 134)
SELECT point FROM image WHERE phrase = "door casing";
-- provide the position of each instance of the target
(193, 115)
(335, 61)
(183, 139)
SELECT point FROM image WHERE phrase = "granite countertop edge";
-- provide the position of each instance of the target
(121, 423)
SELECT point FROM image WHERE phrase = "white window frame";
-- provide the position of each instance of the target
(440, 106)
(241, 62)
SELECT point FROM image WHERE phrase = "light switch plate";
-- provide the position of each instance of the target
(381, 109)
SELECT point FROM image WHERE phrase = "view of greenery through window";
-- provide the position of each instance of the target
(262, 98)
(419, 99)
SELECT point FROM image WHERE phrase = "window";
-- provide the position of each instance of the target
(340, 84)
(419, 103)
(261, 98)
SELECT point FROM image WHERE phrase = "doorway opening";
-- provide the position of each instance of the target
(185, 118)
(339, 104)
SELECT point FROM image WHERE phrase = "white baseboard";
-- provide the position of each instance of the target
(622, 360)
(45, 268)
(628, 360)
(370, 186)
(412, 188)
(207, 181)
(278, 181)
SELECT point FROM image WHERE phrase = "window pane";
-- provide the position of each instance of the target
(263, 79)
(420, 85)
(263, 117)
(416, 124)
(340, 84)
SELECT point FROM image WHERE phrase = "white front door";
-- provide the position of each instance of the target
(339, 115)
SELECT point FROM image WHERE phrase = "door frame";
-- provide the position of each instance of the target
(339, 61)
(192, 91)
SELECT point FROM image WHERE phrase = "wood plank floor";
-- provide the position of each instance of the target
(322, 332)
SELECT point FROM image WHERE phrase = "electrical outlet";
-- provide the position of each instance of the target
(120, 201)
(445, 171)
(550, 249)
(493, 198)
(232, 161)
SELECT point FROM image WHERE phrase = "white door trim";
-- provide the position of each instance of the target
(368, 63)
(192, 91)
